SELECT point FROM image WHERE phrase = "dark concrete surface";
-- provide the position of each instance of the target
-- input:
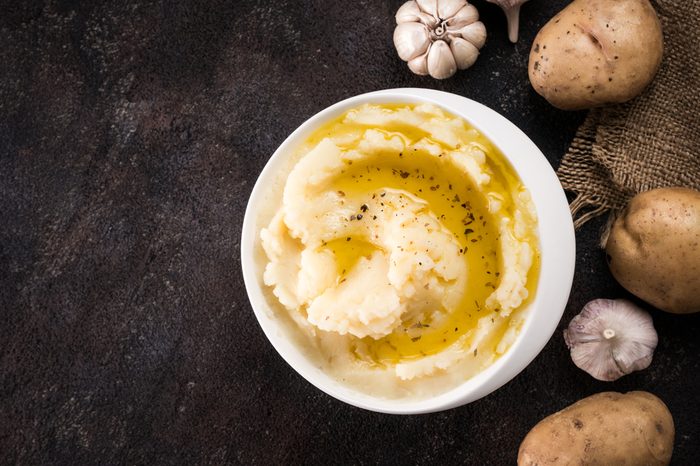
(130, 138)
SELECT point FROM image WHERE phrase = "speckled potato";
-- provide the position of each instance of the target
(653, 249)
(596, 52)
(634, 429)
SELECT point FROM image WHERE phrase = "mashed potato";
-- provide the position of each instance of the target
(403, 250)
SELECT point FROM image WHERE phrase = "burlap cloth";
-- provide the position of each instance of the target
(650, 142)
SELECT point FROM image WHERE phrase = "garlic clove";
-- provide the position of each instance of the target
(447, 8)
(410, 12)
(428, 6)
(411, 39)
(611, 338)
(466, 15)
(441, 62)
(464, 52)
(419, 65)
(474, 33)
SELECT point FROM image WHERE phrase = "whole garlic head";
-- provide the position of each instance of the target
(438, 37)
(611, 338)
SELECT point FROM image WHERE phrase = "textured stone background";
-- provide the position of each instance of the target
(130, 138)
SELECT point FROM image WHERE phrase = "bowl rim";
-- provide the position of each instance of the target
(557, 250)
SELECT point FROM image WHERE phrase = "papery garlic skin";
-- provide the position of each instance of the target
(438, 37)
(512, 10)
(611, 338)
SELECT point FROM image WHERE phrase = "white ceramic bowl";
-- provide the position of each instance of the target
(557, 244)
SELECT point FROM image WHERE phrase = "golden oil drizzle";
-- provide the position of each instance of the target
(460, 207)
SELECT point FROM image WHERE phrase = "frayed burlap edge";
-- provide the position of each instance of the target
(589, 178)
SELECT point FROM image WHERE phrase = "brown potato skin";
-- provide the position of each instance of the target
(596, 52)
(605, 429)
(653, 249)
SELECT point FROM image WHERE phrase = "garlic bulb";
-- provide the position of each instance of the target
(512, 10)
(611, 338)
(438, 37)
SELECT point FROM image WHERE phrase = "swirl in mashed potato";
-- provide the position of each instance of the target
(404, 249)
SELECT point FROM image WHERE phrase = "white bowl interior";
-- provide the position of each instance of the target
(557, 244)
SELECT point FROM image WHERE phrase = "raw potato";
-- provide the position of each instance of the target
(596, 52)
(654, 249)
(608, 428)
